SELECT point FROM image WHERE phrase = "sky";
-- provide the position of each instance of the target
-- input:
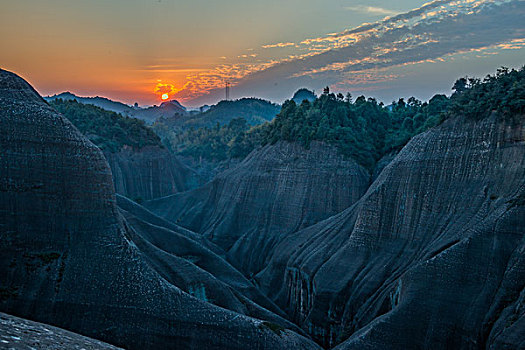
(137, 51)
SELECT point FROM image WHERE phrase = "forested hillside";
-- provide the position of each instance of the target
(212, 144)
(108, 130)
(364, 129)
(254, 110)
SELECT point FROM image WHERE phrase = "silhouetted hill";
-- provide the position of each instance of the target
(303, 94)
(101, 102)
(255, 111)
(149, 114)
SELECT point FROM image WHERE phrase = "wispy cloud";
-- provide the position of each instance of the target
(371, 10)
(270, 46)
(430, 33)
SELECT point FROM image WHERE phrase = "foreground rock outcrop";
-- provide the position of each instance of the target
(148, 173)
(73, 259)
(432, 256)
(276, 190)
(20, 334)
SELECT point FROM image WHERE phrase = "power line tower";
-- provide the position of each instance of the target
(228, 90)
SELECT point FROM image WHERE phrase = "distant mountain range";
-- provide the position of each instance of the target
(149, 115)
(254, 110)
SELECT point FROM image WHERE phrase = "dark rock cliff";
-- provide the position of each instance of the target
(149, 173)
(432, 256)
(71, 258)
(276, 190)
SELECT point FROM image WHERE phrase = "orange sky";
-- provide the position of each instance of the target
(123, 48)
(138, 50)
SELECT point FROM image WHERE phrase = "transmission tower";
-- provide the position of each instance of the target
(228, 90)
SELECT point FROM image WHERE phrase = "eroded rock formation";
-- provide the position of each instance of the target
(432, 256)
(71, 258)
(149, 173)
(20, 334)
(276, 190)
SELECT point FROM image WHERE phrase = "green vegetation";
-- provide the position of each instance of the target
(213, 144)
(503, 93)
(412, 118)
(108, 130)
(363, 130)
(303, 94)
(209, 135)
(254, 110)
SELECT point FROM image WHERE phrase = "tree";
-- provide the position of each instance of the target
(460, 85)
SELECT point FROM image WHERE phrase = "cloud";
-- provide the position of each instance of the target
(175, 70)
(162, 88)
(371, 10)
(271, 46)
(431, 33)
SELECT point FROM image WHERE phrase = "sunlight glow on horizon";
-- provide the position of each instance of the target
(123, 57)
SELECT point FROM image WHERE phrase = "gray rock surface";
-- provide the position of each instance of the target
(21, 334)
(149, 173)
(70, 258)
(276, 190)
(431, 257)
(196, 266)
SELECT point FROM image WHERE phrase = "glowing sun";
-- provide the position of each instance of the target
(165, 96)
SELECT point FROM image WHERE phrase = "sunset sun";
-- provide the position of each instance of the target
(165, 96)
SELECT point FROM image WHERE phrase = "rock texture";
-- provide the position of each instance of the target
(149, 173)
(20, 334)
(276, 190)
(431, 257)
(71, 258)
(195, 265)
